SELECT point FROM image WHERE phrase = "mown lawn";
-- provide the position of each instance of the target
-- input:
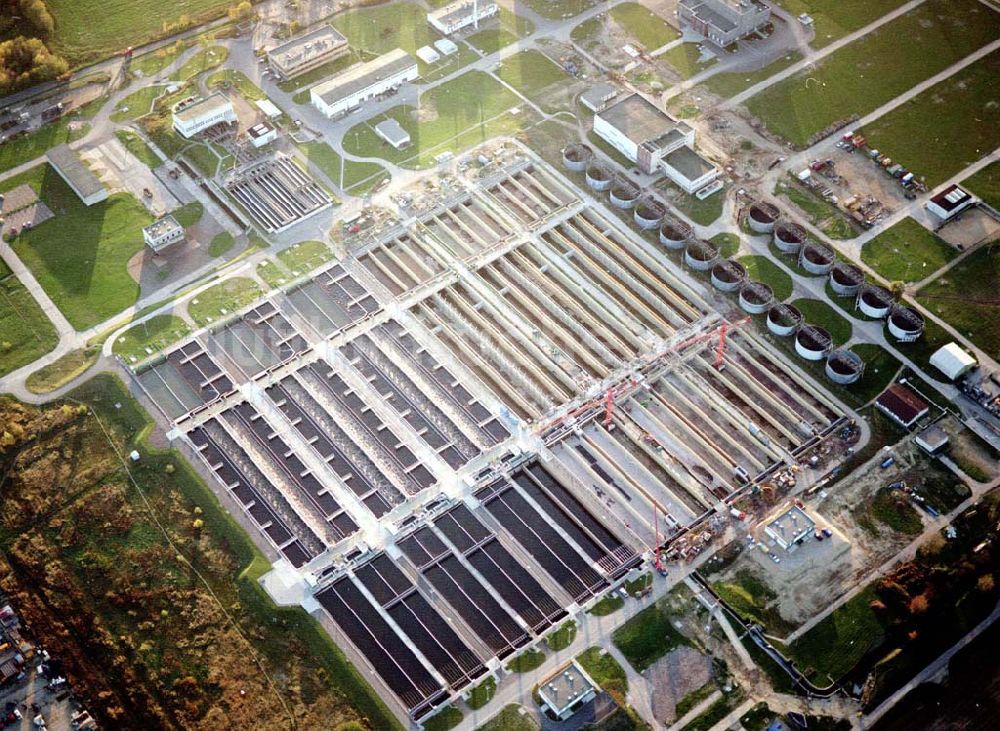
(754, 600)
(153, 63)
(762, 269)
(731, 84)
(604, 670)
(382, 28)
(947, 127)
(876, 68)
(526, 661)
(138, 147)
(907, 252)
(965, 297)
(821, 214)
(561, 638)
(150, 337)
(685, 60)
(817, 312)
(25, 332)
(512, 718)
(80, 257)
(88, 30)
(986, 184)
(62, 370)
(305, 256)
(837, 18)
(461, 111)
(648, 636)
(137, 104)
(357, 178)
(509, 29)
(203, 60)
(559, 8)
(23, 149)
(237, 79)
(651, 30)
(223, 299)
(531, 73)
(444, 720)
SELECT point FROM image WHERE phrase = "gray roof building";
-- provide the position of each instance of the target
(77, 175)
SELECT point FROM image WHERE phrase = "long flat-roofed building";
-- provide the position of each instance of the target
(307, 51)
(950, 202)
(196, 115)
(361, 82)
(77, 175)
(462, 14)
(655, 141)
(723, 21)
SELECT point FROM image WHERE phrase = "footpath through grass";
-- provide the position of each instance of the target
(876, 68)
(651, 30)
(351, 176)
(531, 72)
(730, 84)
(835, 19)
(80, 257)
(222, 300)
(150, 337)
(965, 297)
(24, 149)
(907, 252)
(963, 107)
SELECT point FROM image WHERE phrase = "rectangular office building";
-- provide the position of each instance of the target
(363, 81)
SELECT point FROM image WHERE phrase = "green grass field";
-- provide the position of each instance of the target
(24, 149)
(482, 693)
(229, 295)
(907, 252)
(685, 60)
(221, 243)
(817, 312)
(189, 214)
(876, 68)
(728, 244)
(138, 147)
(273, 273)
(459, 115)
(704, 212)
(80, 256)
(648, 636)
(153, 63)
(512, 718)
(754, 599)
(562, 637)
(382, 28)
(644, 25)
(947, 127)
(840, 640)
(137, 104)
(986, 184)
(62, 370)
(357, 178)
(836, 18)
(609, 604)
(305, 256)
(444, 720)
(532, 73)
(153, 335)
(238, 80)
(526, 661)
(762, 269)
(730, 84)
(88, 30)
(25, 331)
(961, 296)
(559, 8)
(203, 60)
(821, 214)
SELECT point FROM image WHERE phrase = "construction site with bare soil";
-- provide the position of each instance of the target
(482, 421)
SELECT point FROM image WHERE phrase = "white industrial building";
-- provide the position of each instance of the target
(262, 134)
(461, 14)
(791, 526)
(162, 233)
(268, 108)
(77, 175)
(597, 97)
(305, 52)
(361, 82)
(655, 141)
(565, 692)
(723, 21)
(950, 202)
(192, 116)
(951, 360)
(392, 132)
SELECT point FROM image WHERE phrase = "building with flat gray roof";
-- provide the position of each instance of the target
(162, 233)
(723, 21)
(597, 97)
(363, 81)
(655, 141)
(392, 132)
(307, 51)
(563, 693)
(791, 526)
(77, 175)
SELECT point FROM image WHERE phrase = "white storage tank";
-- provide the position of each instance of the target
(756, 298)
(674, 234)
(762, 216)
(728, 275)
(789, 237)
(846, 279)
(874, 301)
(813, 342)
(599, 177)
(783, 319)
(905, 323)
(844, 367)
(816, 258)
(700, 255)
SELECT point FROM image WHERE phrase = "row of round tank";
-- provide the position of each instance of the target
(756, 298)
(624, 195)
(813, 342)
(598, 177)
(728, 275)
(846, 279)
(648, 214)
(577, 157)
(788, 237)
(817, 259)
(844, 367)
(674, 233)
(762, 216)
(700, 255)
